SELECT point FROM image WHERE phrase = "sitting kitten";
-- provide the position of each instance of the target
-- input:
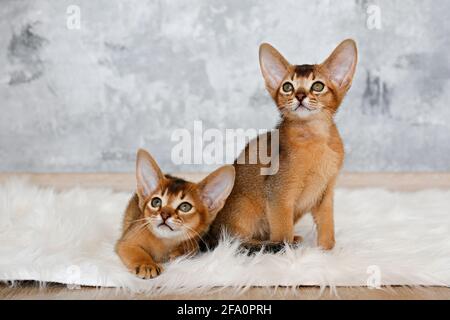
(264, 209)
(167, 216)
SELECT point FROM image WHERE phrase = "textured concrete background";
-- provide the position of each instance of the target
(85, 100)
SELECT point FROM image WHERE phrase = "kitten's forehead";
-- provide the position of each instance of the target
(176, 186)
(175, 191)
(304, 75)
(304, 71)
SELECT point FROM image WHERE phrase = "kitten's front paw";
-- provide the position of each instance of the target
(147, 271)
(326, 244)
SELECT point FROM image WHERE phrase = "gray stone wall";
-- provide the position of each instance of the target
(85, 99)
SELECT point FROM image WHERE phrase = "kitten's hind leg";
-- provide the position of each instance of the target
(241, 218)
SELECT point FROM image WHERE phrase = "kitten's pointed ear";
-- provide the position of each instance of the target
(216, 188)
(341, 64)
(148, 174)
(274, 67)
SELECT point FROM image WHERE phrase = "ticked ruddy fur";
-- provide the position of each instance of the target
(265, 208)
(167, 216)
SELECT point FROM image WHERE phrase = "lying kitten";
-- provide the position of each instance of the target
(167, 216)
(264, 209)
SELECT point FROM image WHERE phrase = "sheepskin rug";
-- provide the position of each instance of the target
(383, 238)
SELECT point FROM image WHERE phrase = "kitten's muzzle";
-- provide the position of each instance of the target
(301, 102)
(165, 215)
(164, 224)
(303, 105)
(300, 97)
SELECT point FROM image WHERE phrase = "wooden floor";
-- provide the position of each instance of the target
(30, 291)
(125, 182)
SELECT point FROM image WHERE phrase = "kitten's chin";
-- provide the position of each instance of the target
(302, 112)
(165, 231)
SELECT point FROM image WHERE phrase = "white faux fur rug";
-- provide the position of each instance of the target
(68, 237)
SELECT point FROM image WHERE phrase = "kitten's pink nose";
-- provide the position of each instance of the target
(165, 214)
(300, 96)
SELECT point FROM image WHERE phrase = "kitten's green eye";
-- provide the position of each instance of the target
(317, 86)
(288, 87)
(156, 202)
(185, 207)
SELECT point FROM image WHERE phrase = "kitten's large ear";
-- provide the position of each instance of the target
(274, 67)
(148, 174)
(216, 188)
(341, 64)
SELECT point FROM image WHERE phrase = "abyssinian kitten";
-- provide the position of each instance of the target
(264, 208)
(167, 216)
